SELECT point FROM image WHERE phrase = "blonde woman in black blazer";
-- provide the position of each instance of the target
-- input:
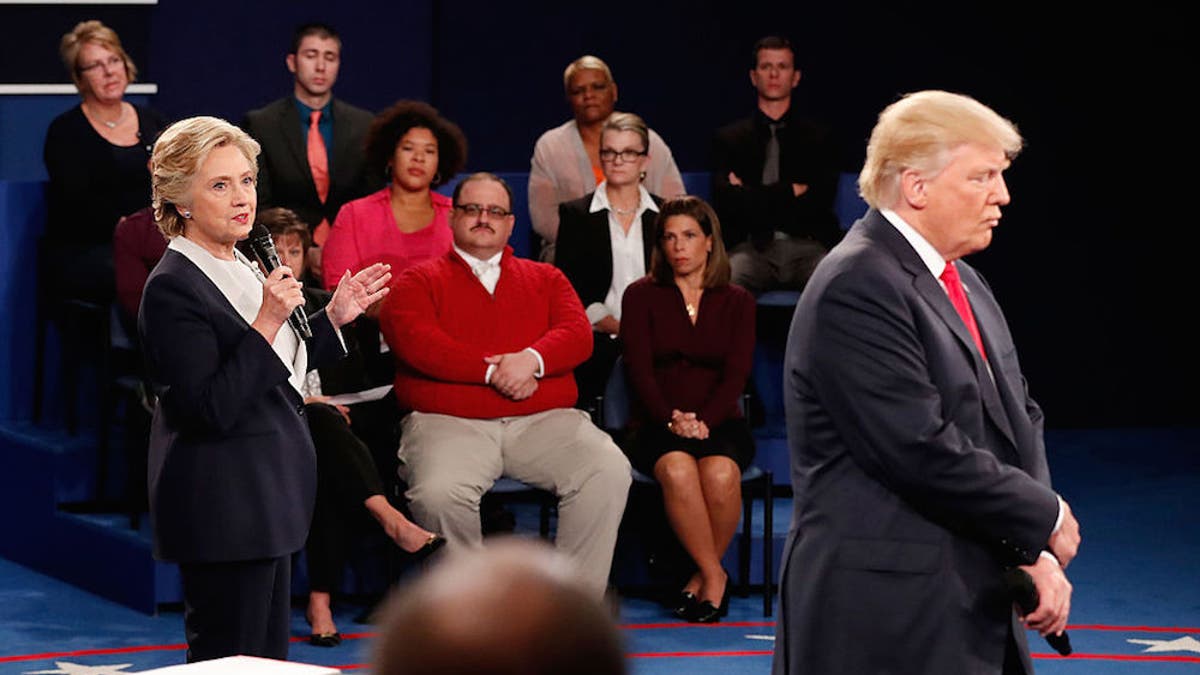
(604, 242)
(232, 469)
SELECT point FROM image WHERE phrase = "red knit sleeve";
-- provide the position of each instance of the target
(408, 320)
(568, 340)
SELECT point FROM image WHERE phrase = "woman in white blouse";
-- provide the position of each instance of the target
(604, 242)
(232, 469)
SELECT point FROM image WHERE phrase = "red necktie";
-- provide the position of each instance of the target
(318, 162)
(958, 298)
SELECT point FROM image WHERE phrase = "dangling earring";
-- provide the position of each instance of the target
(437, 178)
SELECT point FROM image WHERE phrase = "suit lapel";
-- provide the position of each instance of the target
(935, 296)
(289, 124)
(341, 144)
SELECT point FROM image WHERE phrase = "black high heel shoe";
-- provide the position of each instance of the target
(705, 612)
(432, 545)
(685, 605)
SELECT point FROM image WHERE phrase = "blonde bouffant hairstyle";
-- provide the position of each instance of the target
(919, 131)
(97, 33)
(178, 154)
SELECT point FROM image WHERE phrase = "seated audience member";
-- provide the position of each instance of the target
(138, 245)
(96, 155)
(348, 480)
(406, 222)
(485, 345)
(513, 608)
(604, 243)
(774, 181)
(312, 159)
(688, 339)
(566, 159)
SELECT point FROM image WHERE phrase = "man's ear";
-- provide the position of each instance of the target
(913, 188)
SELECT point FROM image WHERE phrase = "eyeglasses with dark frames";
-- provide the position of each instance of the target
(477, 210)
(609, 155)
(111, 63)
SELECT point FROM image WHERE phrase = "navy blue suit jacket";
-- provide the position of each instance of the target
(232, 470)
(917, 476)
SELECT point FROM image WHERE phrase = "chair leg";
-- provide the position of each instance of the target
(768, 542)
(743, 587)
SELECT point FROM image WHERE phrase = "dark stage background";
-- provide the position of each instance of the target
(1092, 261)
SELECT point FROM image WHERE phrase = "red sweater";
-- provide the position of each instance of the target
(441, 322)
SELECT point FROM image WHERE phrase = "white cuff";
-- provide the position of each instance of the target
(1062, 510)
(596, 312)
(541, 369)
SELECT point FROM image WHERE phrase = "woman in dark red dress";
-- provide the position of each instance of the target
(688, 338)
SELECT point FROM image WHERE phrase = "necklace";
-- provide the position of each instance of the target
(691, 310)
(624, 212)
(113, 124)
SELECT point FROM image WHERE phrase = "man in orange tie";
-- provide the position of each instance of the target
(918, 463)
(312, 159)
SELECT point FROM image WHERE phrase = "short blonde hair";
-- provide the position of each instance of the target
(96, 33)
(586, 62)
(919, 131)
(627, 121)
(178, 155)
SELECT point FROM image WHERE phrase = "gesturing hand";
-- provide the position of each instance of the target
(354, 294)
(281, 294)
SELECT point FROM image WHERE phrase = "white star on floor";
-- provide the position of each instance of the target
(1186, 643)
(68, 668)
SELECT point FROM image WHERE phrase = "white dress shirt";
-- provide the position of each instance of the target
(628, 251)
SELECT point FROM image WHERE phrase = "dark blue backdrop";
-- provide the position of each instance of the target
(1090, 262)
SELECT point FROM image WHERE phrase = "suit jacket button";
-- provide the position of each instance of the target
(300, 409)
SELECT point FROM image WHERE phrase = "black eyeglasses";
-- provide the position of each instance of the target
(608, 155)
(476, 210)
(111, 63)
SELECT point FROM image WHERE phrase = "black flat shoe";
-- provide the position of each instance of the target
(325, 639)
(685, 605)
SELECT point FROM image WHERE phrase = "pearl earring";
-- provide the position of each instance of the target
(187, 214)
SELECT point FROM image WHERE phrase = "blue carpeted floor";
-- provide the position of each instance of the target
(1136, 606)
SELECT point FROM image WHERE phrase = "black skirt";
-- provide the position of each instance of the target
(731, 438)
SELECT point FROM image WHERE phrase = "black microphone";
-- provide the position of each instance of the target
(1025, 594)
(264, 249)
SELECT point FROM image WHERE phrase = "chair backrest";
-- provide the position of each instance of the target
(615, 407)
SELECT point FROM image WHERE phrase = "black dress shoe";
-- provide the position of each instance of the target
(325, 639)
(685, 605)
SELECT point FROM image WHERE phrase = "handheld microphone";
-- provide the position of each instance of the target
(264, 249)
(1025, 594)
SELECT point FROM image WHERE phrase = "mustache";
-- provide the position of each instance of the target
(482, 225)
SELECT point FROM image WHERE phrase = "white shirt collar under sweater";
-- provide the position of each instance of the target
(240, 281)
(487, 271)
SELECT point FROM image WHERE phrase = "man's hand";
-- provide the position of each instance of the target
(1054, 594)
(799, 189)
(513, 376)
(734, 180)
(1064, 544)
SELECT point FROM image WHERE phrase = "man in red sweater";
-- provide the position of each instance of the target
(486, 344)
